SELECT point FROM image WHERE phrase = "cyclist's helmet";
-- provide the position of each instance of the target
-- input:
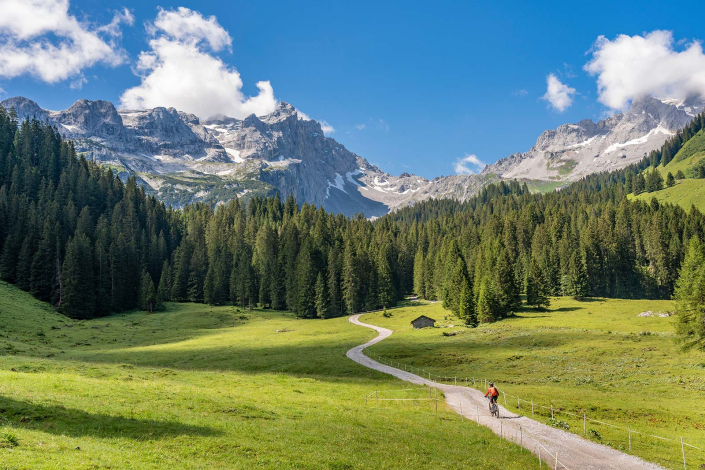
(491, 384)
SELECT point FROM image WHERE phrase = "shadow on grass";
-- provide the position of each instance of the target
(567, 309)
(57, 419)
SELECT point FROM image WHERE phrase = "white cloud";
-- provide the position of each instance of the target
(180, 70)
(559, 95)
(632, 66)
(382, 124)
(360, 127)
(78, 83)
(468, 165)
(40, 38)
(520, 93)
(327, 128)
(303, 116)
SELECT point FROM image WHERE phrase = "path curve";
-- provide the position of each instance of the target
(574, 452)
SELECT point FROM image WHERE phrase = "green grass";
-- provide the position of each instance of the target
(690, 191)
(686, 193)
(538, 186)
(205, 387)
(596, 357)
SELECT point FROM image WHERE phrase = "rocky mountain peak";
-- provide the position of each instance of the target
(99, 118)
(25, 108)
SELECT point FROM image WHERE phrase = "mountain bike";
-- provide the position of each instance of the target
(494, 409)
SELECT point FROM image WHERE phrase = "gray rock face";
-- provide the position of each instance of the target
(181, 159)
(573, 151)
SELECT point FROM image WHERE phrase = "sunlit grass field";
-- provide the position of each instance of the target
(686, 193)
(218, 388)
(595, 357)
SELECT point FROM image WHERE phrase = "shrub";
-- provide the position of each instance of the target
(556, 423)
(8, 439)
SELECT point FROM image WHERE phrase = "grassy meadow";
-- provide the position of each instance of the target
(595, 357)
(213, 387)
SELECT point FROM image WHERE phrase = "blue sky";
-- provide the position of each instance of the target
(430, 82)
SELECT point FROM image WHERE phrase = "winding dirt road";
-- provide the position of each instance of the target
(573, 452)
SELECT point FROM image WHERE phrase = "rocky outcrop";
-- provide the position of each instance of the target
(573, 151)
(181, 159)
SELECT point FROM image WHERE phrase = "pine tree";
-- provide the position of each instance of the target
(419, 274)
(467, 309)
(147, 295)
(78, 296)
(639, 184)
(486, 302)
(455, 285)
(690, 297)
(385, 279)
(165, 288)
(305, 285)
(576, 279)
(350, 280)
(537, 289)
(322, 305)
(670, 180)
(680, 175)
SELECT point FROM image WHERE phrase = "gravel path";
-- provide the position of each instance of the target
(574, 453)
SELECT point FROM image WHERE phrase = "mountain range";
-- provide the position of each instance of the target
(182, 159)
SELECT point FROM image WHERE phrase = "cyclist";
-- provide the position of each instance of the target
(493, 394)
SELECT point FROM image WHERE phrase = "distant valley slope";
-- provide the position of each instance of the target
(182, 159)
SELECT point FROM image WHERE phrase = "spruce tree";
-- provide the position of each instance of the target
(419, 274)
(164, 290)
(467, 309)
(322, 305)
(486, 302)
(690, 297)
(78, 296)
(305, 285)
(385, 280)
(147, 294)
(670, 180)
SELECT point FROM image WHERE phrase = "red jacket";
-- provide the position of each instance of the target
(492, 391)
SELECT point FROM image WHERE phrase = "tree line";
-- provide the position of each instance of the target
(75, 235)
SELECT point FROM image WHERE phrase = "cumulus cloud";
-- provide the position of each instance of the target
(558, 94)
(468, 165)
(632, 66)
(40, 38)
(181, 70)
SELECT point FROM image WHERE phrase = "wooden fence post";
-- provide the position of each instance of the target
(521, 438)
(584, 425)
(629, 427)
(532, 407)
(551, 410)
(538, 451)
(556, 467)
(683, 450)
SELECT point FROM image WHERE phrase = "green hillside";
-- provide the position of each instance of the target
(213, 387)
(688, 158)
(686, 192)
